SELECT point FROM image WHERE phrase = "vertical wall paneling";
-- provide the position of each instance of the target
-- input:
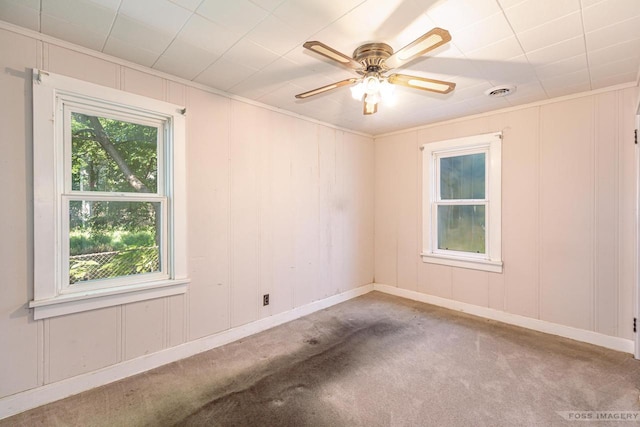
(208, 157)
(267, 210)
(408, 237)
(627, 105)
(282, 256)
(304, 182)
(339, 209)
(327, 243)
(144, 328)
(568, 214)
(606, 214)
(520, 205)
(20, 338)
(82, 342)
(470, 286)
(386, 183)
(276, 205)
(567, 182)
(84, 67)
(244, 210)
(144, 84)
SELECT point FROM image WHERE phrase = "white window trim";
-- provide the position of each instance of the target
(492, 260)
(50, 299)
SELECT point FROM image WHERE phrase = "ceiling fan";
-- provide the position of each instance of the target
(373, 60)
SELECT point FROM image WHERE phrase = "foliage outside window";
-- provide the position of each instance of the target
(462, 202)
(108, 197)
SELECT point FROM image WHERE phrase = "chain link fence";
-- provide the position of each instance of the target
(105, 265)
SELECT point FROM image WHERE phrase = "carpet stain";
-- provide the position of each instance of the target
(291, 389)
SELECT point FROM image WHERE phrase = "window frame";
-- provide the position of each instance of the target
(491, 144)
(55, 98)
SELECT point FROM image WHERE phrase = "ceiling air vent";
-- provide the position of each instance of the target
(499, 91)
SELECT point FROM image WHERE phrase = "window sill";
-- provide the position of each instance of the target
(108, 297)
(470, 263)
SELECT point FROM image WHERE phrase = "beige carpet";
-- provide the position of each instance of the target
(376, 360)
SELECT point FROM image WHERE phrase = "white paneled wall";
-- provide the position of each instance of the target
(276, 205)
(568, 213)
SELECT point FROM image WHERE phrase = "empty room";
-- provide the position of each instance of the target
(319, 212)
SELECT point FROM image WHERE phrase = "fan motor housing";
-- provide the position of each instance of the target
(372, 56)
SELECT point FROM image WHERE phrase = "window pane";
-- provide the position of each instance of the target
(112, 239)
(462, 177)
(113, 155)
(461, 228)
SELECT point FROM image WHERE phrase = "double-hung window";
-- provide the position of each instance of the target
(109, 202)
(462, 202)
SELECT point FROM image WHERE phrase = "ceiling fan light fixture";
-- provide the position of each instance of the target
(433, 39)
(371, 84)
(387, 91)
(357, 91)
(329, 53)
(428, 85)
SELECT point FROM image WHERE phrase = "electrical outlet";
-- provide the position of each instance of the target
(265, 299)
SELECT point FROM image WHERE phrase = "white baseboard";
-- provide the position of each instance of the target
(614, 343)
(33, 398)
(48, 393)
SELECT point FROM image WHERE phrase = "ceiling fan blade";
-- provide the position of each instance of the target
(423, 44)
(326, 88)
(369, 108)
(333, 54)
(416, 82)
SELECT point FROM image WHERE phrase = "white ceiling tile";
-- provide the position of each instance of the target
(533, 13)
(276, 35)
(525, 93)
(184, 60)
(558, 51)
(587, 3)
(238, 15)
(312, 16)
(224, 74)
(190, 5)
(614, 34)
(517, 70)
(568, 89)
(455, 14)
(609, 12)
(419, 26)
(269, 5)
(614, 80)
(565, 66)
(618, 52)
(167, 16)
(139, 35)
(504, 49)
(72, 32)
(579, 78)
(23, 13)
(306, 58)
(509, 3)
(109, 4)
(487, 31)
(624, 66)
(550, 33)
(130, 52)
(268, 79)
(198, 31)
(81, 13)
(360, 25)
(252, 55)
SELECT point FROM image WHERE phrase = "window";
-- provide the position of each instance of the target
(462, 202)
(109, 202)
